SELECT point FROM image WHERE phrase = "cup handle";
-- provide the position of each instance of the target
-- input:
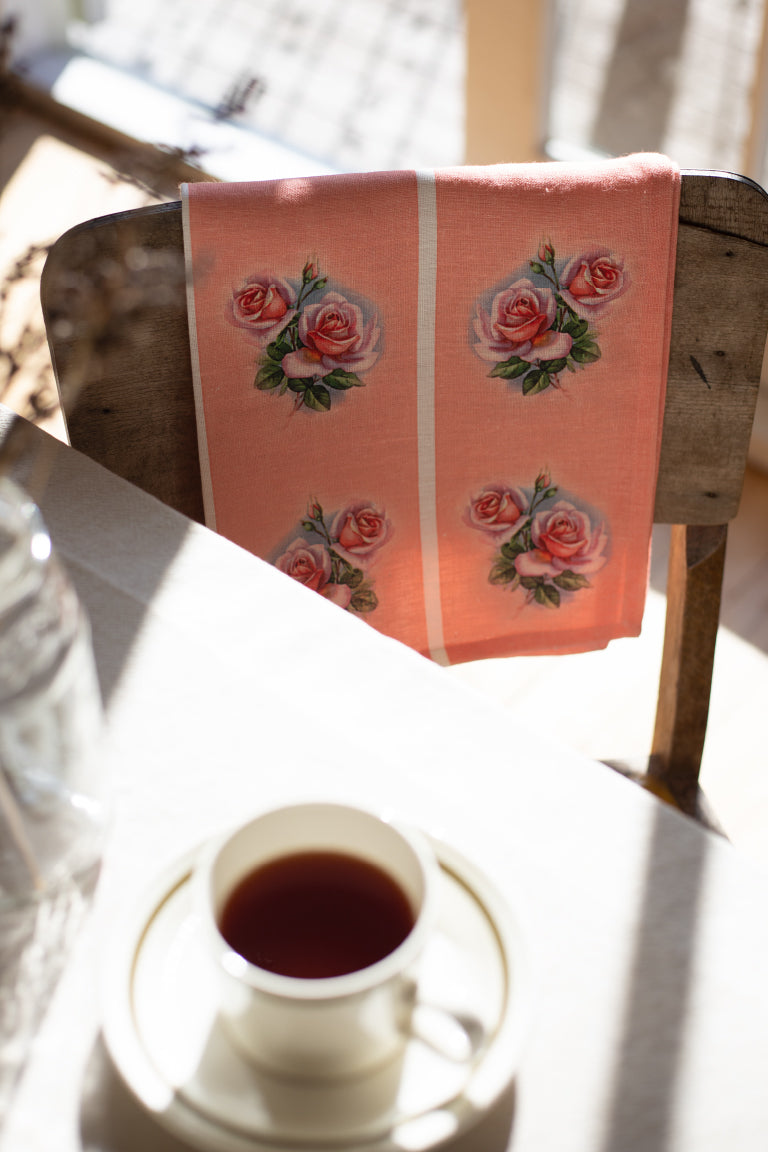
(456, 1036)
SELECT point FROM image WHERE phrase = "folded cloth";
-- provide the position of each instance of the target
(436, 397)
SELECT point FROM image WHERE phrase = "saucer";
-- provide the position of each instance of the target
(162, 1030)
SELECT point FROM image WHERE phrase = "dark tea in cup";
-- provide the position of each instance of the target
(316, 914)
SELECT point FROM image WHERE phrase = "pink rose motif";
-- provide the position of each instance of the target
(335, 335)
(590, 282)
(310, 565)
(497, 510)
(564, 540)
(520, 324)
(358, 530)
(262, 306)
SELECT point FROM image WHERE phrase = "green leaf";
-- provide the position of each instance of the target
(270, 375)
(535, 382)
(340, 379)
(317, 397)
(364, 600)
(513, 548)
(570, 581)
(352, 577)
(585, 352)
(509, 370)
(547, 595)
(502, 572)
(554, 366)
(277, 349)
(530, 583)
(576, 328)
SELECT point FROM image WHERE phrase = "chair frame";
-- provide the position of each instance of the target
(114, 303)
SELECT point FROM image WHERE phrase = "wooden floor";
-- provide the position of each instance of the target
(601, 702)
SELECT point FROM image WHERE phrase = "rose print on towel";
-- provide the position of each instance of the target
(531, 330)
(333, 554)
(545, 546)
(312, 342)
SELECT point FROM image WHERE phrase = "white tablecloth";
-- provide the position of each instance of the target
(228, 687)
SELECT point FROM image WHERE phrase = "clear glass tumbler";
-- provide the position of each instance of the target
(52, 796)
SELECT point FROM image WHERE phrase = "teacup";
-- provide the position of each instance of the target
(317, 915)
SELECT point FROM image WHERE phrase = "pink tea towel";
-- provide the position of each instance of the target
(436, 397)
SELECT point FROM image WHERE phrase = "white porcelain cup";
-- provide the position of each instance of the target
(334, 1026)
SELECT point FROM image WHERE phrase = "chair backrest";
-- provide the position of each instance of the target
(114, 303)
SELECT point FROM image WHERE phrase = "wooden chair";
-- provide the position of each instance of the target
(115, 311)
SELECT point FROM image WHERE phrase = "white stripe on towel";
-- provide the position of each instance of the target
(425, 399)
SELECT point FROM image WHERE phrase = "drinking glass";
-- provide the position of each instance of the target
(52, 800)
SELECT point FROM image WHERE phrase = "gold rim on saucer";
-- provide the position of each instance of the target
(164, 1037)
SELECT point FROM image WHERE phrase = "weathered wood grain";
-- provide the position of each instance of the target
(719, 323)
(694, 584)
(114, 301)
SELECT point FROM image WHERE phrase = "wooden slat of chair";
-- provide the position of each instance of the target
(114, 302)
(719, 323)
